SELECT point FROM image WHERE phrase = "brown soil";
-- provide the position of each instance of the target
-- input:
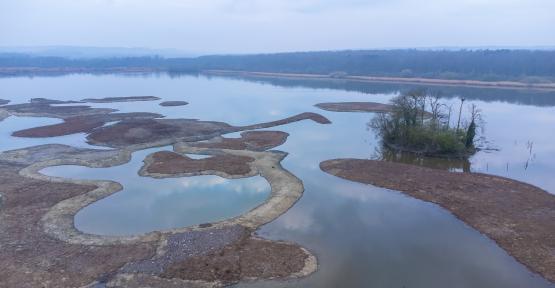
(51, 101)
(173, 103)
(43, 108)
(250, 140)
(81, 124)
(247, 258)
(355, 107)
(144, 131)
(69, 126)
(121, 99)
(170, 163)
(129, 132)
(29, 258)
(518, 216)
(303, 116)
(32, 258)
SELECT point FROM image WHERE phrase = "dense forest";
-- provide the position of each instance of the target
(490, 65)
(23, 60)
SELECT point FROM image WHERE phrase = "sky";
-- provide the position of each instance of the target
(265, 26)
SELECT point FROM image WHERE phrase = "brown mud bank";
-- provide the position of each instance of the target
(170, 163)
(29, 256)
(40, 107)
(139, 128)
(173, 103)
(81, 124)
(218, 162)
(249, 257)
(41, 246)
(355, 107)
(249, 140)
(121, 99)
(518, 216)
(168, 131)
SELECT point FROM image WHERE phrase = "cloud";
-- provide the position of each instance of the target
(252, 185)
(243, 26)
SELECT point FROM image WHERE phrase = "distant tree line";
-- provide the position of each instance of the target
(517, 96)
(522, 65)
(22, 60)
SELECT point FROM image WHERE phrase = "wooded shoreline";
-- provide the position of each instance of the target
(378, 79)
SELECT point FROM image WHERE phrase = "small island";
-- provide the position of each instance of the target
(419, 123)
(355, 107)
(121, 99)
(173, 103)
(215, 254)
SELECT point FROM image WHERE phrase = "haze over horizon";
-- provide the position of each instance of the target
(257, 26)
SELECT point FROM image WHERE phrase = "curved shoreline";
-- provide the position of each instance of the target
(58, 221)
(50, 229)
(519, 217)
(286, 189)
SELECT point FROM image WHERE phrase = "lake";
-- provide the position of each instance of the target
(363, 236)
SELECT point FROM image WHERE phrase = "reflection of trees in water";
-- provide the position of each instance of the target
(459, 165)
(514, 96)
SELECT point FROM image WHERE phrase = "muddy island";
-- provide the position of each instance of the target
(250, 140)
(170, 163)
(82, 124)
(121, 99)
(41, 246)
(355, 107)
(40, 107)
(173, 103)
(518, 216)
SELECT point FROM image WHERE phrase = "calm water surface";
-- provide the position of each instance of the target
(364, 236)
(147, 204)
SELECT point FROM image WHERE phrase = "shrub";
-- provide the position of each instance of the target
(410, 128)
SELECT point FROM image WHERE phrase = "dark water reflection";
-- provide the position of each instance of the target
(364, 236)
(515, 96)
(454, 165)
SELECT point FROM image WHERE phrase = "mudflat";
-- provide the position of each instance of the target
(173, 103)
(42, 247)
(518, 216)
(355, 107)
(121, 99)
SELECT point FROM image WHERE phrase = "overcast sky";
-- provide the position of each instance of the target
(246, 26)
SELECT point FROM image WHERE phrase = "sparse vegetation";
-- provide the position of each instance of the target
(419, 123)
